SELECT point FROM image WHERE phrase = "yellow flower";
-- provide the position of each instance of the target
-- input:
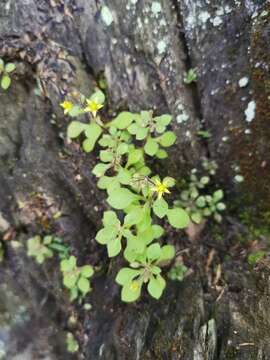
(160, 188)
(67, 106)
(92, 107)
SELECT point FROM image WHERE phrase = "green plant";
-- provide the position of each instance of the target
(204, 134)
(71, 343)
(191, 76)
(76, 279)
(5, 71)
(126, 142)
(254, 258)
(177, 272)
(145, 268)
(195, 200)
(43, 248)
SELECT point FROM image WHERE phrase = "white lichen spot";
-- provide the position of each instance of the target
(156, 7)
(162, 22)
(243, 82)
(225, 138)
(182, 118)
(134, 2)
(239, 178)
(106, 15)
(247, 131)
(216, 21)
(250, 111)
(264, 13)
(204, 16)
(161, 46)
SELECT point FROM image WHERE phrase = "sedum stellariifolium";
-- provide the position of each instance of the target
(136, 196)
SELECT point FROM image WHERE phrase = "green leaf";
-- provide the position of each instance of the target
(167, 139)
(151, 147)
(178, 218)
(134, 156)
(75, 128)
(121, 198)
(218, 195)
(107, 141)
(146, 117)
(141, 133)
(169, 181)
(106, 235)
(75, 111)
(205, 180)
(131, 291)
(72, 344)
(87, 271)
(122, 149)
(110, 219)
(68, 264)
(114, 247)
(167, 253)
(160, 208)
(126, 275)
(10, 67)
(196, 217)
(100, 169)
(106, 155)
(106, 182)
(133, 129)
(134, 216)
(156, 286)
(163, 120)
(5, 82)
(98, 97)
(161, 154)
(83, 285)
(92, 132)
(221, 206)
(124, 176)
(153, 252)
(158, 231)
(123, 120)
(200, 202)
(135, 245)
(70, 280)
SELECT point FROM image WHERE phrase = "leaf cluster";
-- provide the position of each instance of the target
(44, 248)
(76, 279)
(191, 76)
(5, 71)
(196, 200)
(126, 142)
(71, 343)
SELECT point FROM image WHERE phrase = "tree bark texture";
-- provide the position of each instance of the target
(143, 49)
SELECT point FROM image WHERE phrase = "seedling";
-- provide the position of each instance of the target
(145, 269)
(76, 279)
(191, 76)
(44, 248)
(177, 273)
(5, 71)
(71, 343)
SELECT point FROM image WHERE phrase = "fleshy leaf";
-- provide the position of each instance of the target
(178, 218)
